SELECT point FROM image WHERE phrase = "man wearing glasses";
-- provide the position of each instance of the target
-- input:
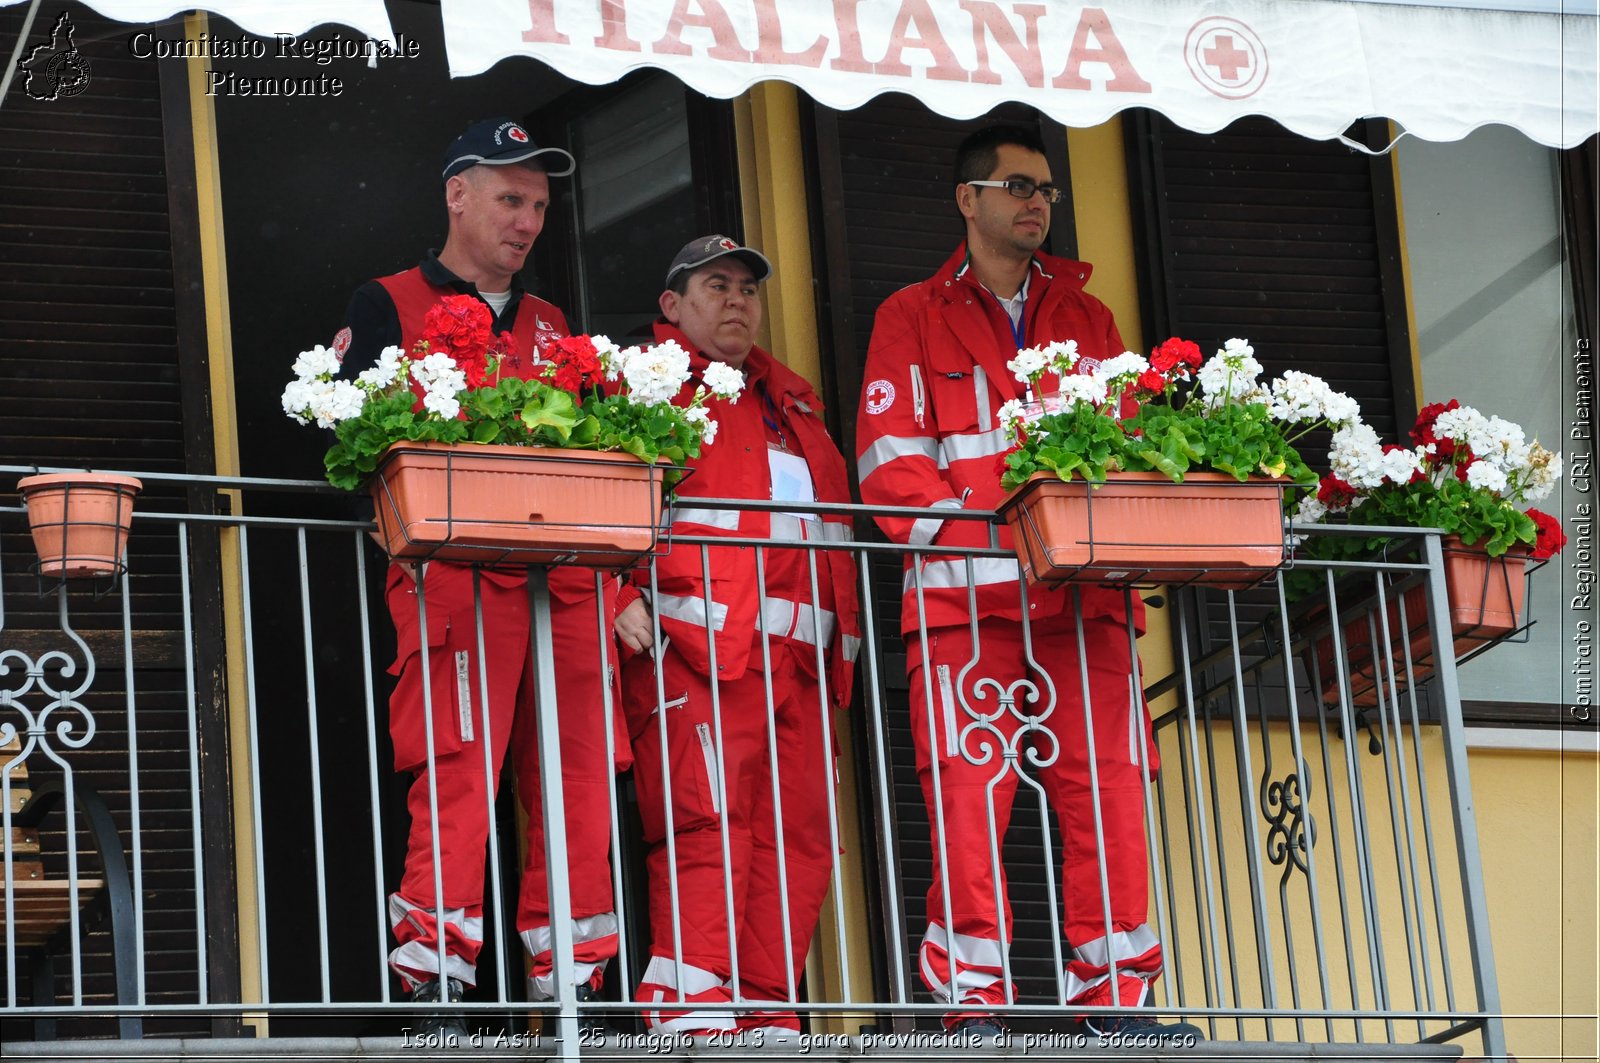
(928, 435)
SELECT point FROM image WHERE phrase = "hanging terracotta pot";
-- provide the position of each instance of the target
(80, 521)
(1486, 597)
(516, 505)
(1142, 528)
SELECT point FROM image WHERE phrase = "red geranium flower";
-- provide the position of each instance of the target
(574, 364)
(1152, 381)
(1000, 466)
(1175, 352)
(1551, 537)
(1335, 493)
(461, 326)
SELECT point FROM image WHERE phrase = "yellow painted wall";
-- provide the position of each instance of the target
(1537, 825)
(1537, 831)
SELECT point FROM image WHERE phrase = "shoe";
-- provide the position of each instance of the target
(1128, 1023)
(442, 1028)
(979, 1028)
(1140, 1028)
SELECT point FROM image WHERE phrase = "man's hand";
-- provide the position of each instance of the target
(634, 627)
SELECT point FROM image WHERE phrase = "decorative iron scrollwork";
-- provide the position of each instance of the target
(1292, 831)
(59, 680)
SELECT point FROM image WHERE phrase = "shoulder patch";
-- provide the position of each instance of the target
(341, 342)
(880, 396)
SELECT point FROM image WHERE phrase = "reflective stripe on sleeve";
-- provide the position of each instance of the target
(945, 575)
(970, 445)
(890, 448)
(924, 529)
(691, 609)
(723, 519)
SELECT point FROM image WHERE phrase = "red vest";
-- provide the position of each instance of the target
(537, 325)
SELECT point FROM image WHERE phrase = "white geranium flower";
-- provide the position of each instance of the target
(700, 418)
(1356, 456)
(724, 380)
(442, 403)
(1486, 475)
(1126, 364)
(1078, 387)
(1230, 374)
(1339, 408)
(1060, 356)
(392, 365)
(296, 400)
(1400, 465)
(655, 374)
(1460, 425)
(347, 400)
(1544, 472)
(316, 363)
(1298, 396)
(1311, 510)
(1028, 364)
(438, 373)
(1010, 411)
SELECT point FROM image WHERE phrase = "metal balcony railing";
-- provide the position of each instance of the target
(220, 711)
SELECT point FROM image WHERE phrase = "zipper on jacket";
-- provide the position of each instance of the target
(980, 392)
(919, 401)
(947, 698)
(464, 693)
(710, 753)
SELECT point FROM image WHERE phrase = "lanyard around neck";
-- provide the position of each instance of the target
(1019, 327)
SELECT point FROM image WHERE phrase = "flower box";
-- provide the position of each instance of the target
(516, 505)
(1486, 597)
(80, 522)
(1143, 528)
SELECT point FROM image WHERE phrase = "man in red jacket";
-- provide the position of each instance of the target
(928, 435)
(497, 188)
(730, 709)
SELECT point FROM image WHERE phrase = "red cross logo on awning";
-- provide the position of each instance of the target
(1226, 57)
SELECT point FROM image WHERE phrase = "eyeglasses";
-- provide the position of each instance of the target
(1022, 188)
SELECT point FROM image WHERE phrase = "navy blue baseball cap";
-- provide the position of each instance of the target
(703, 249)
(500, 142)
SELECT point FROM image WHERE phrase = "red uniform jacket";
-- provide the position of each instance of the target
(735, 466)
(927, 434)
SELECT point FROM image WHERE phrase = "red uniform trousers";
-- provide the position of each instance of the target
(976, 942)
(805, 768)
(460, 772)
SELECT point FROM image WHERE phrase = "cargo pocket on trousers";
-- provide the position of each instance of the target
(407, 707)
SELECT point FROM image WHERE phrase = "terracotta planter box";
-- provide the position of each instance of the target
(1143, 528)
(80, 522)
(1486, 597)
(516, 505)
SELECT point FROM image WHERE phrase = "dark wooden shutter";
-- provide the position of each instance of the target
(91, 376)
(1253, 231)
(887, 216)
(1292, 243)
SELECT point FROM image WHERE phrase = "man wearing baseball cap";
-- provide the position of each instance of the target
(712, 699)
(496, 192)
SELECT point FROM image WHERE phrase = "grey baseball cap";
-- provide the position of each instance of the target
(500, 142)
(703, 249)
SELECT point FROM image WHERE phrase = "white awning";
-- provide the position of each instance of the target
(1315, 66)
(264, 18)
